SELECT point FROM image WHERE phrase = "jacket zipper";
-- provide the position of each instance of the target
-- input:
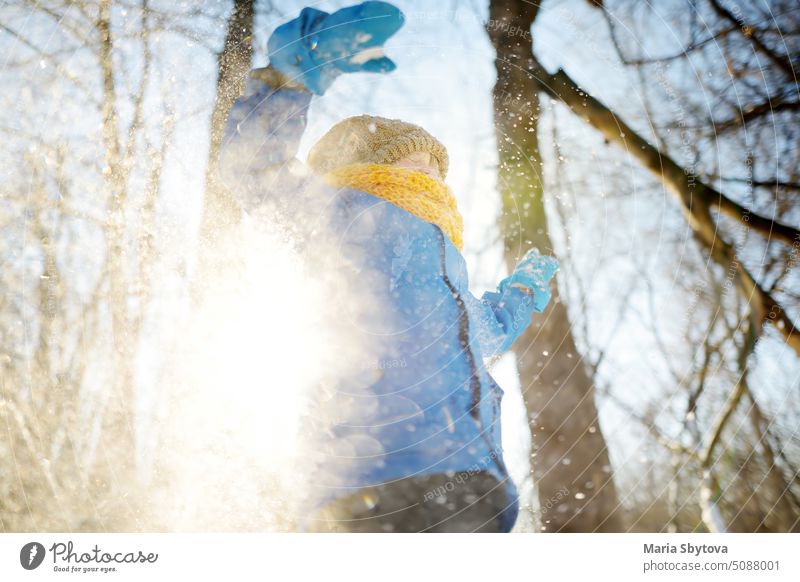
(463, 333)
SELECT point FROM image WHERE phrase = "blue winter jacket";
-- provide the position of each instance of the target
(428, 405)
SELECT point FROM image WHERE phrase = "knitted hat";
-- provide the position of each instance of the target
(374, 140)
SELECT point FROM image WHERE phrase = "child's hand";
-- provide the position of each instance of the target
(316, 47)
(533, 272)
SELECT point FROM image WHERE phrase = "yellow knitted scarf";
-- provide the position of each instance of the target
(428, 198)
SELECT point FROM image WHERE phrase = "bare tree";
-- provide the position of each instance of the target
(729, 458)
(569, 451)
(220, 210)
(85, 322)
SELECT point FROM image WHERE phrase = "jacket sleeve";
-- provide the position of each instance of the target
(501, 317)
(261, 138)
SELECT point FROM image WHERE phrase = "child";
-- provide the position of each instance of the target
(422, 441)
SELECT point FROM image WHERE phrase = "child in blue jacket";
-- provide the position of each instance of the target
(419, 447)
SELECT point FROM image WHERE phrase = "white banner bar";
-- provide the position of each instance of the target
(402, 557)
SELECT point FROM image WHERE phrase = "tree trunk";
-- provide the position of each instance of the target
(571, 467)
(114, 471)
(220, 210)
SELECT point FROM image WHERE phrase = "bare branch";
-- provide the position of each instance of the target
(782, 61)
(696, 198)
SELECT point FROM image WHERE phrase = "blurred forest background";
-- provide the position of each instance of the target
(653, 147)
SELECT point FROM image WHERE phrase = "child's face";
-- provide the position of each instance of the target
(421, 162)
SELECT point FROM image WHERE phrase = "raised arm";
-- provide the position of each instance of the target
(503, 315)
(261, 137)
(306, 55)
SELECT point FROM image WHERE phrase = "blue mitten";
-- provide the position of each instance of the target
(316, 47)
(534, 271)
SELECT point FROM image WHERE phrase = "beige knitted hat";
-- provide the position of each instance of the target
(375, 140)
